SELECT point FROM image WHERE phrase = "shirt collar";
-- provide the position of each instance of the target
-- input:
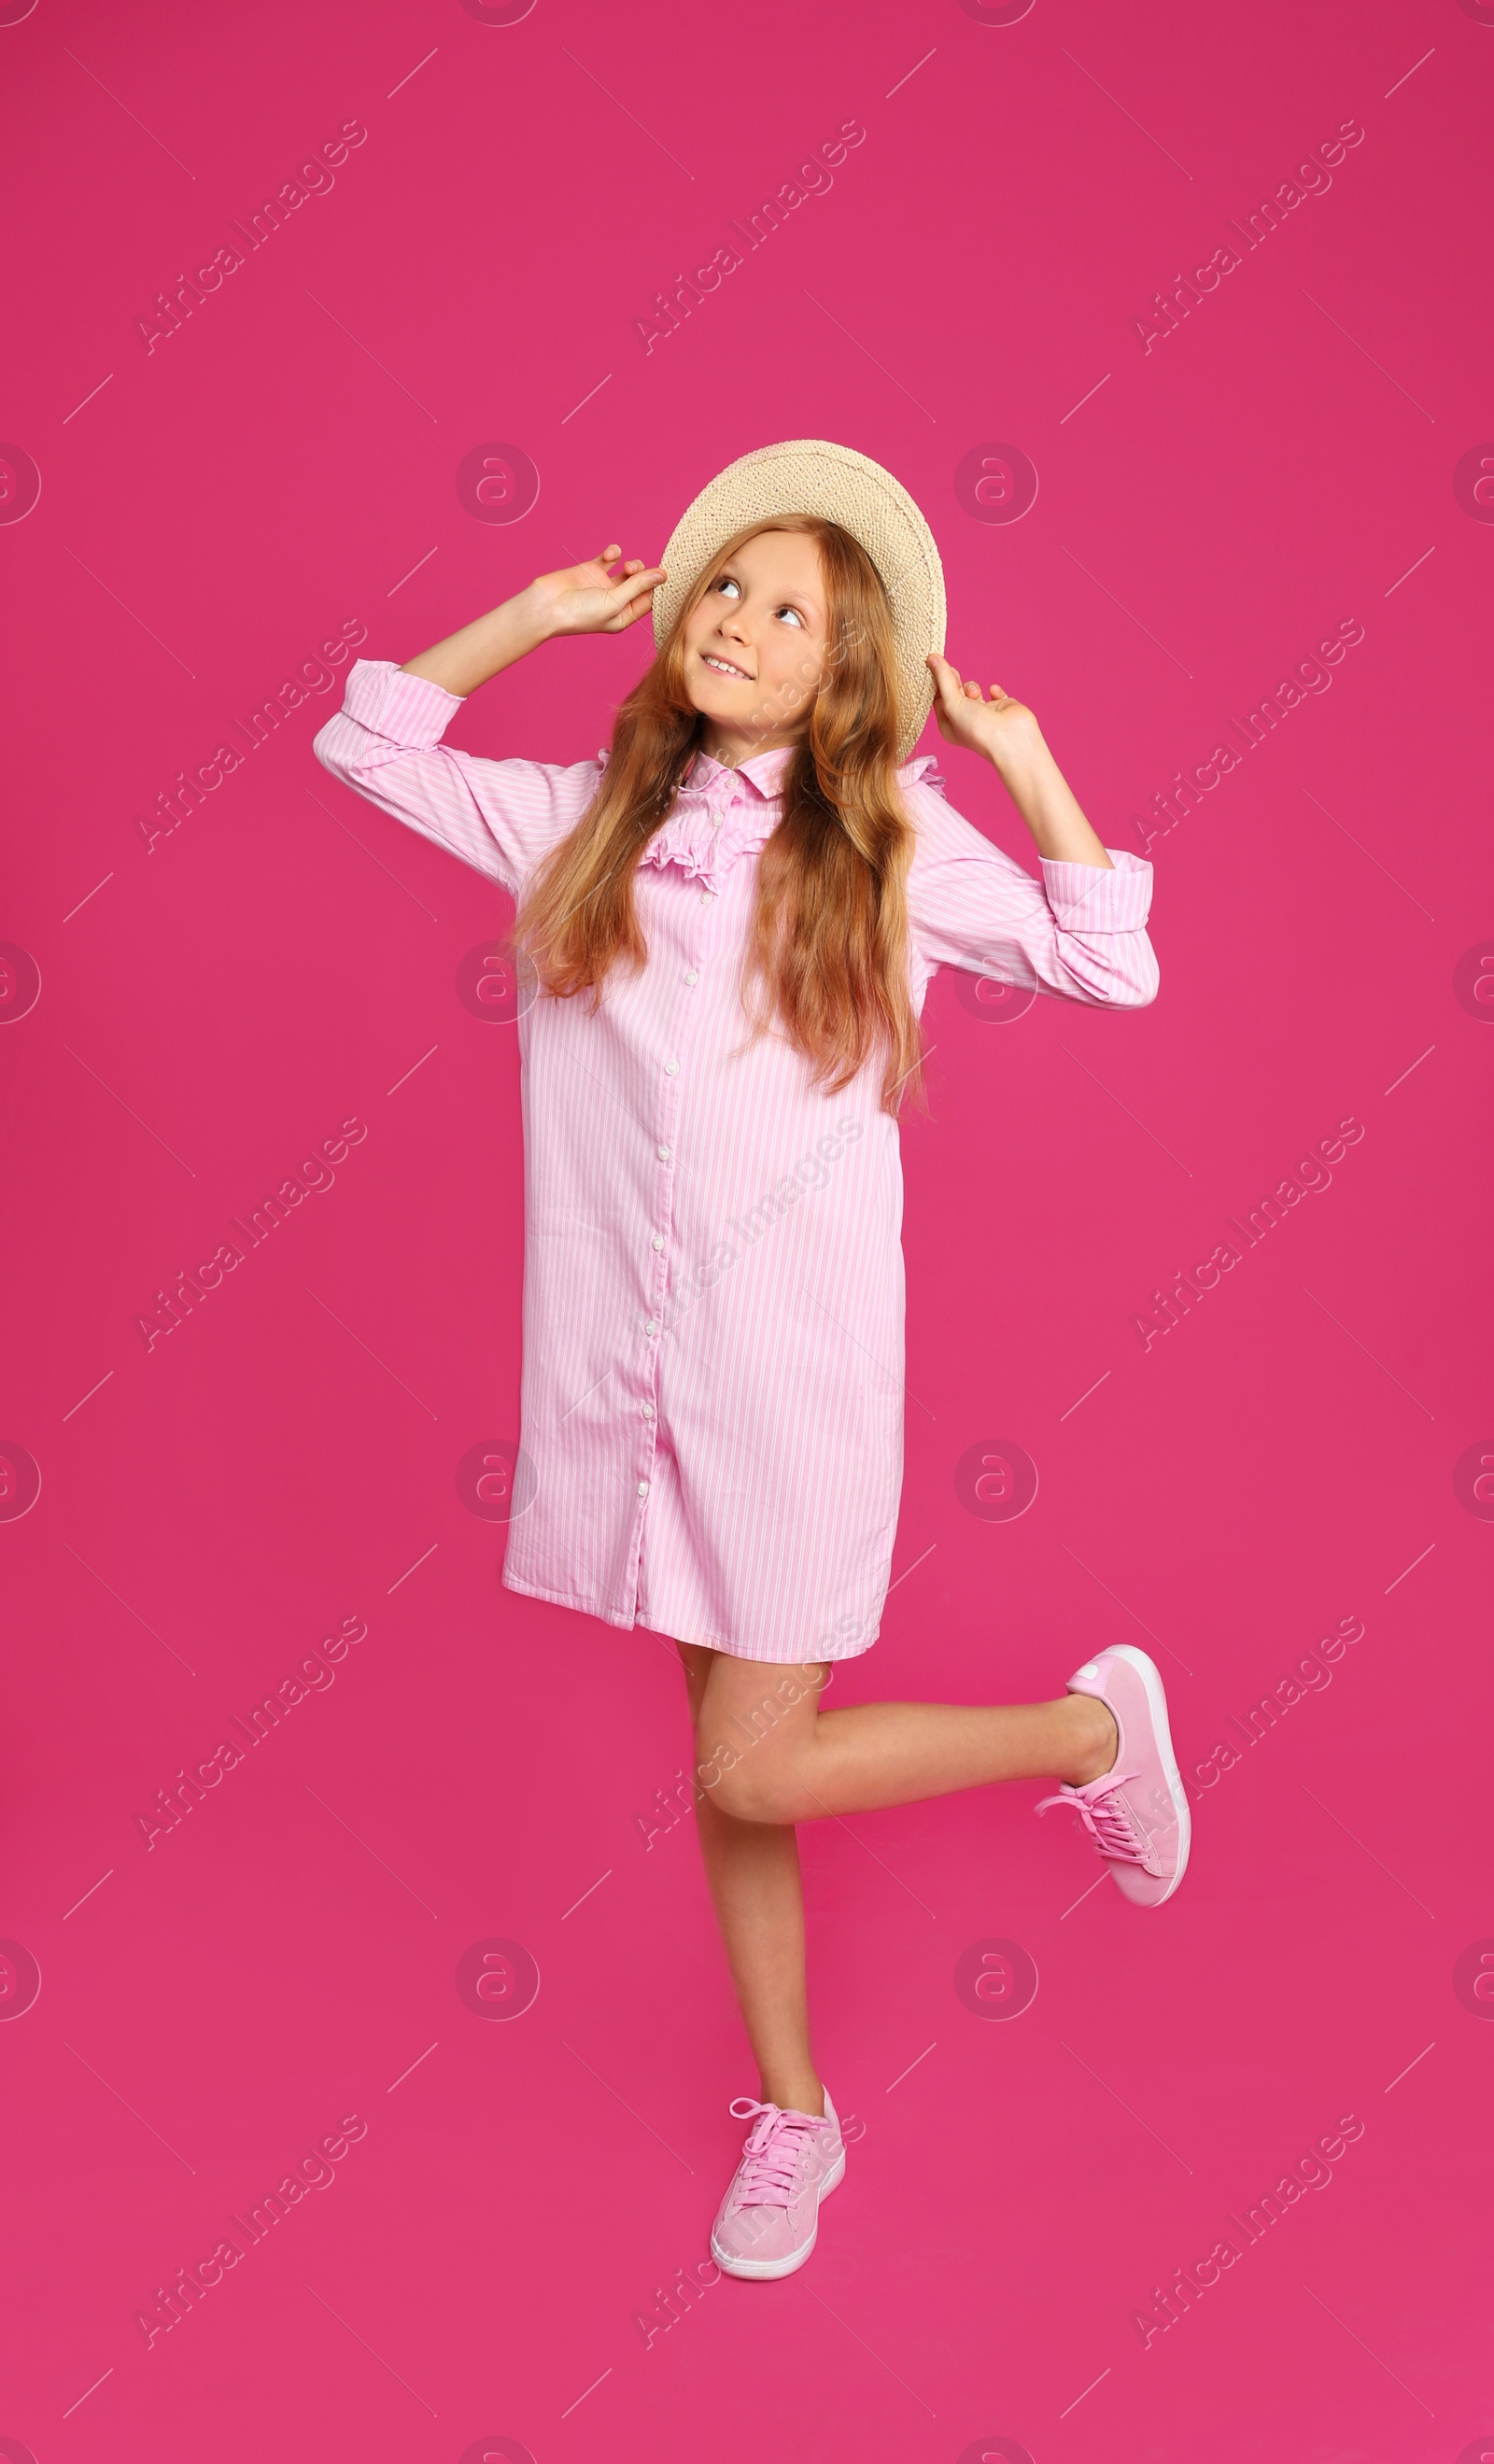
(767, 772)
(715, 821)
(764, 772)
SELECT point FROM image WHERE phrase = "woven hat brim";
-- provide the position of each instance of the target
(810, 475)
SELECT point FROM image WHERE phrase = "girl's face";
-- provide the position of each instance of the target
(755, 647)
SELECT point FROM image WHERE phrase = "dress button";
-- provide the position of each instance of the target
(708, 893)
(664, 1154)
(692, 975)
(643, 1489)
(658, 1240)
(671, 1069)
(648, 1411)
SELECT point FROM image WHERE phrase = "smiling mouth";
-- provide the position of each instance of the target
(724, 667)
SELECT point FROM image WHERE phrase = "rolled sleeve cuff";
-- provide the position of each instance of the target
(1086, 899)
(406, 709)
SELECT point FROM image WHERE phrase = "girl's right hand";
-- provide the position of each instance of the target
(586, 599)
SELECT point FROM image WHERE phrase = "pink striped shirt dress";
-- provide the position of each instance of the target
(713, 1294)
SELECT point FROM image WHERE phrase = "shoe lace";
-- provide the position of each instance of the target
(1107, 1817)
(772, 2153)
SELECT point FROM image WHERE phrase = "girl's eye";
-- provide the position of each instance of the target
(727, 583)
(794, 613)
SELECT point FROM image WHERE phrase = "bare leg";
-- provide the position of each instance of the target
(769, 1753)
(768, 1757)
(753, 1871)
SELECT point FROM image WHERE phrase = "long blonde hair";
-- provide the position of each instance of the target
(828, 940)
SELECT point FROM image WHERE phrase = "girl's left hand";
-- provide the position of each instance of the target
(1000, 729)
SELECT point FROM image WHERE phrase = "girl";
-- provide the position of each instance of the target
(727, 927)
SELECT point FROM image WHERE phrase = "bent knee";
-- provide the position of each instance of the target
(752, 1791)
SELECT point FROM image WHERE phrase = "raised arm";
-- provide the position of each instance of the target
(499, 817)
(581, 599)
(1080, 931)
(1007, 734)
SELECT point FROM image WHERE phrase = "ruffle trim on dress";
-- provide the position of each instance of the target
(703, 847)
(925, 772)
(690, 838)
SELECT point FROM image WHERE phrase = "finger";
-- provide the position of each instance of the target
(972, 691)
(629, 612)
(640, 580)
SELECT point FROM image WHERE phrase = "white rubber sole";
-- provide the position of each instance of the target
(1151, 1677)
(758, 2270)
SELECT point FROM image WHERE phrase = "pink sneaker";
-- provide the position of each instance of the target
(1136, 1813)
(767, 2222)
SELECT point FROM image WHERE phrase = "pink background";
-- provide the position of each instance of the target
(213, 1004)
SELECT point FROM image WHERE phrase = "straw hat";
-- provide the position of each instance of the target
(809, 476)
